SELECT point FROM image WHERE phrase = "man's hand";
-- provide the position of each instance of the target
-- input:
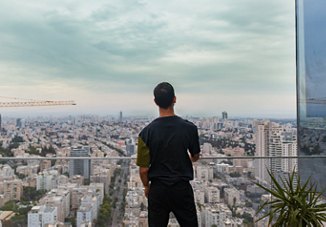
(194, 158)
(143, 173)
(146, 191)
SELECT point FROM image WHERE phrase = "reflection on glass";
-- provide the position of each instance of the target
(311, 52)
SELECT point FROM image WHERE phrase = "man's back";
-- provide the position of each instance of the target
(168, 140)
(165, 166)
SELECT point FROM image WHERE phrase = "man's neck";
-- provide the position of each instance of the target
(169, 112)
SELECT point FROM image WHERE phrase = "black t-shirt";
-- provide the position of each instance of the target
(163, 146)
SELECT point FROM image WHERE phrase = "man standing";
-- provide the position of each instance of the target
(166, 149)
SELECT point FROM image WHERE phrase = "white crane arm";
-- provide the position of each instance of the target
(36, 103)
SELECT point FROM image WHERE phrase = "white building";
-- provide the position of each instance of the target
(85, 215)
(200, 196)
(47, 180)
(204, 173)
(216, 215)
(58, 201)
(93, 202)
(232, 196)
(6, 172)
(289, 148)
(213, 195)
(261, 136)
(39, 216)
(274, 140)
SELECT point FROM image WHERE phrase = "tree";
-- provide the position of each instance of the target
(10, 206)
(17, 139)
(235, 174)
(104, 212)
(31, 194)
(316, 149)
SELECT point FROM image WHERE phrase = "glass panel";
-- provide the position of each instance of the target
(311, 68)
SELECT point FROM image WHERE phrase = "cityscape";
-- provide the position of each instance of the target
(81, 171)
(249, 74)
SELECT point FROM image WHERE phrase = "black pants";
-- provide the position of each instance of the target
(177, 198)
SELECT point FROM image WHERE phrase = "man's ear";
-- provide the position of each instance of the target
(155, 101)
(174, 100)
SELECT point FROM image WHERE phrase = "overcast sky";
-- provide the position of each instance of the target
(220, 55)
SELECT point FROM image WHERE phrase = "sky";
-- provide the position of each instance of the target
(235, 56)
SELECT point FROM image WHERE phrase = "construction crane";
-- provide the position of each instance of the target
(31, 102)
(316, 101)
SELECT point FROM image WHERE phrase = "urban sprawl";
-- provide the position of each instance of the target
(43, 187)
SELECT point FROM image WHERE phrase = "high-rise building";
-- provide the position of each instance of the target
(120, 116)
(224, 115)
(289, 148)
(274, 140)
(275, 146)
(19, 123)
(0, 122)
(261, 136)
(80, 166)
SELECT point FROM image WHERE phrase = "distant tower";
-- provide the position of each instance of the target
(120, 116)
(80, 166)
(262, 136)
(0, 123)
(19, 123)
(224, 115)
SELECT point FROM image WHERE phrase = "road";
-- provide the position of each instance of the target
(117, 193)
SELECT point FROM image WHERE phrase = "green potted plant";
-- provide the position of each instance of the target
(293, 203)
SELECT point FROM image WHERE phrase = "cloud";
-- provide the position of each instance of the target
(128, 46)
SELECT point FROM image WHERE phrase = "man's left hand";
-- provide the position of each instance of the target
(146, 191)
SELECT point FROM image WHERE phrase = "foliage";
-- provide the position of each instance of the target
(247, 218)
(10, 206)
(13, 146)
(316, 149)
(20, 219)
(104, 212)
(31, 194)
(32, 150)
(44, 151)
(324, 139)
(5, 152)
(71, 220)
(17, 139)
(235, 174)
(293, 203)
(48, 150)
(219, 143)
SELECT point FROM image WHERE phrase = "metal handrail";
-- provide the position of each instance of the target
(131, 158)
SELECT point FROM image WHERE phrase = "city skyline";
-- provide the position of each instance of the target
(108, 56)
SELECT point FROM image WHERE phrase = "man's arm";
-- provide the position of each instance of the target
(143, 173)
(194, 147)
